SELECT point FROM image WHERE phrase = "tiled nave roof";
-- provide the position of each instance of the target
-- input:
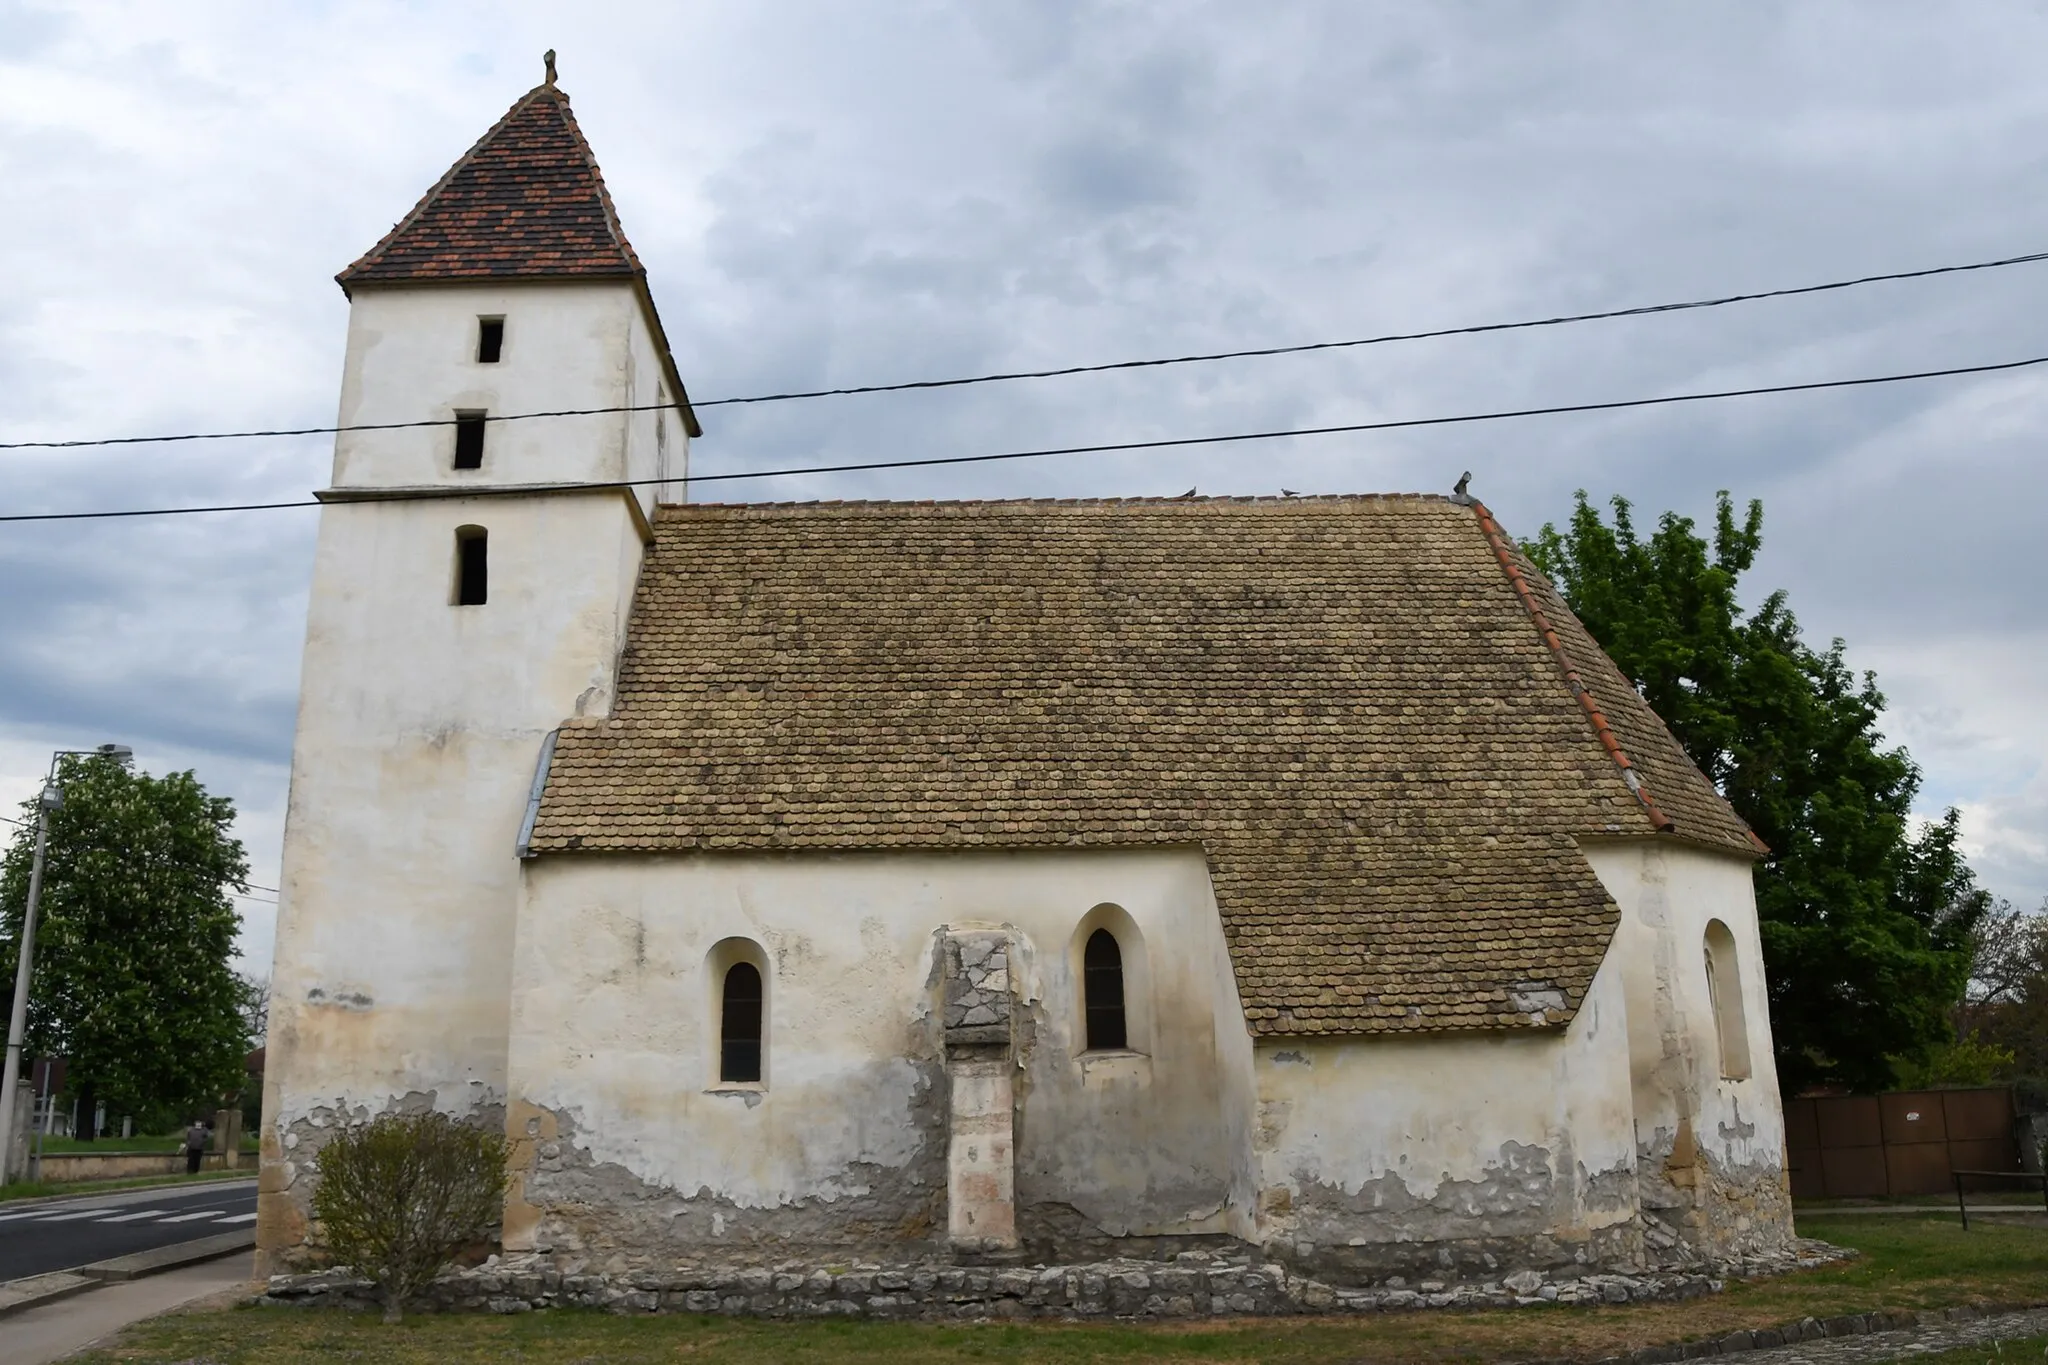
(1344, 701)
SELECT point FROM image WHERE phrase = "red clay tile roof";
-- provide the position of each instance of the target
(526, 202)
(1346, 702)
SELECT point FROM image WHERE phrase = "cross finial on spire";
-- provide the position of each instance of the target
(549, 58)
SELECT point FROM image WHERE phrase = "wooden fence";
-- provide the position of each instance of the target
(1905, 1142)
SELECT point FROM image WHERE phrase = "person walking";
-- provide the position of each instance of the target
(195, 1147)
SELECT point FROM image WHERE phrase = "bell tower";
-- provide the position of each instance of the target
(464, 602)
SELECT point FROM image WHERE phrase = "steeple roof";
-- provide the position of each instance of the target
(526, 202)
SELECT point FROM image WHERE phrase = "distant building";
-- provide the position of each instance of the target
(889, 879)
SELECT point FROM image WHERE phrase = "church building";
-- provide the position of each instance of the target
(1027, 880)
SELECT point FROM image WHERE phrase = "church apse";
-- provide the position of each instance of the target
(1374, 1162)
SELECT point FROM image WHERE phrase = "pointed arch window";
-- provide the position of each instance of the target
(1102, 983)
(739, 1024)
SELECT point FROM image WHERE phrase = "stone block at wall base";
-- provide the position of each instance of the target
(1194, 1284)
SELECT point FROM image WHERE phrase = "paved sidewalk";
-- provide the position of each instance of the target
(57, 1329)
(1949, 1209)
(1905, 1344)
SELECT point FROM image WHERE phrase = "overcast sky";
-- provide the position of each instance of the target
(840, 193)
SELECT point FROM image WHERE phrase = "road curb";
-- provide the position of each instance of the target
(136, 1264)
(38, 1200)
(33, 1291)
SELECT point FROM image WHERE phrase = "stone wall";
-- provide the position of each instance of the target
(1697, 1206)
(60, 1167)
(1193, 1284)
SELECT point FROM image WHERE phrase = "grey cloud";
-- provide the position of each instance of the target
(845, 197)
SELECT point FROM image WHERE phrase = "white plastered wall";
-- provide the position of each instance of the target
(1430, 1138)
(420, 721)
(412, 356)
(613, 1036)
(419, 726)
(1668, 893)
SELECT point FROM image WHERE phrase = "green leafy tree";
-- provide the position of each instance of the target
(134, 937)
(1867, 919)
(2007, 1006)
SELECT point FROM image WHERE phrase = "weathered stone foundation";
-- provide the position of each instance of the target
(615, 1222)
(288, 1236)
(1696, 1207)
(1193, 1284)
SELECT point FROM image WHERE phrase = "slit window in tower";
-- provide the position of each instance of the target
(472, 566)
(469, 440)
(490, 340)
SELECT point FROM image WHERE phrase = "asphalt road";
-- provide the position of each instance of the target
(64, 1233)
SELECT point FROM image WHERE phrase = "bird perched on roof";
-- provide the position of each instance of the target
(1289, 493)
(1189, 494)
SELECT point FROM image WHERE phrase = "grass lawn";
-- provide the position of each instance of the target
(23, 1189)
(1907, 1263)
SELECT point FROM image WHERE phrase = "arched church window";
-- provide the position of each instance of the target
(739, 1041)
(472, 566)
(1102, 984)
(1724, 992)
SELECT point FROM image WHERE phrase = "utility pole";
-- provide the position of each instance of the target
(51, 800)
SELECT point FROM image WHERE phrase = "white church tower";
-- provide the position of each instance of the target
(463, 604)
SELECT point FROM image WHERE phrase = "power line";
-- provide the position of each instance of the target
(238, 895)
(1643, 310)
(435, 495)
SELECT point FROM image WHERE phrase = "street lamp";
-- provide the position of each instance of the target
(51, 799)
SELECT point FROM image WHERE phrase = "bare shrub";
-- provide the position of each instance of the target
(399, 1196)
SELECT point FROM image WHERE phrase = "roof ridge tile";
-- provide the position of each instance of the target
(1497, 540)
(1143, 500)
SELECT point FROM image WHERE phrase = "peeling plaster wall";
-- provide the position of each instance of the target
(1463, 1154)
(631, 1148)
(1711, 1148)
(420, 721)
